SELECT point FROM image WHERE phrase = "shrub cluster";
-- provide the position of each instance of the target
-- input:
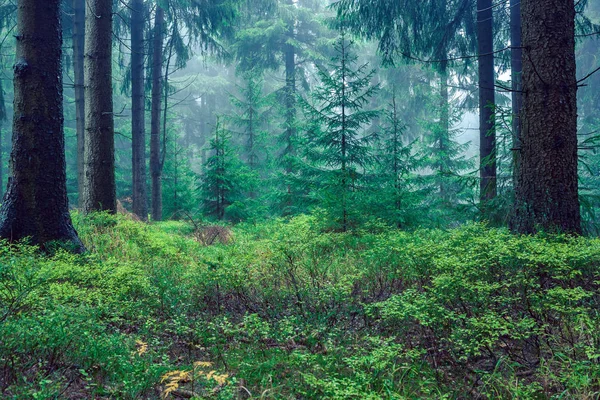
(288, 310)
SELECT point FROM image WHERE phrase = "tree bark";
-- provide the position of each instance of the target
(138, 130)
(516, 86)
(78, 69)
(444, 134)
(1, 159)
(35, 204)
(547, 196)
(487, 128)
(100, 187)
(290, 99)
(157, 88)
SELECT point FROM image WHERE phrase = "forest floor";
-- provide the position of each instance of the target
(284, 309)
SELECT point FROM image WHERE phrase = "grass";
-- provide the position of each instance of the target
(288, 310)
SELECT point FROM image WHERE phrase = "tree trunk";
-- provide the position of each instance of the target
(100, 187)
(155, 161)
(517, 96)
(35, 204)
(289, 53)
(290, 97)
(547, 197)
(487, 128)
(2, 119)
(444, 134)
(78, 61)
(138, 130)
(1, 159)
(290, 100)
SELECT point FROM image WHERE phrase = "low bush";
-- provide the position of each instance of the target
(290, 310)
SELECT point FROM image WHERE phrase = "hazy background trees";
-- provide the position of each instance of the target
(448, 73)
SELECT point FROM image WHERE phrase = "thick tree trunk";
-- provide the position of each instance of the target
(547, 196)
(78, 68)
(516, 86)
(36, 204)
(138, 130)
(487, 128)
(100, 187)
(155, 160)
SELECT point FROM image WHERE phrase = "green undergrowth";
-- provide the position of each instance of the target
(289, 310)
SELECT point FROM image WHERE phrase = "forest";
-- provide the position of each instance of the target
(299, 199)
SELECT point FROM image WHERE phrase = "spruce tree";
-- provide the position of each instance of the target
(250, 116)
(35, 205)
(547, 195)
(340, 147)
(391, 195)
(225, 180)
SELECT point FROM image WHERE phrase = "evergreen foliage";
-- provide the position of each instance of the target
(394, 194)
(252, 109)
(340, 148)
(225, 180)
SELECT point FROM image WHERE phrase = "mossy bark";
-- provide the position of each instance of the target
(35, 205)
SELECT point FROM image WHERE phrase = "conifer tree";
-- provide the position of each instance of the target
(189, 23)
(35, 205)
(138, 111)
(395, 162)
(547, 192)
(225, 179)
(446, 158)
(250, 116)
(100, 186)
(340, 147)
(282, 35)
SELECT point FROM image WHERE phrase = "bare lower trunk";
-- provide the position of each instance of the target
(100, 187)
(1, 160)
(78, 68)
(290, 117)
(36, 204)
(517, 96)
(290, 102)
(547, 196)
(444, 134)
(138, 133)
(155, 160)
(487, 128)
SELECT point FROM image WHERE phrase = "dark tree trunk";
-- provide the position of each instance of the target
(547, 196)
(35, 204)
(100, 187)
(157, 87)
(1, 159)
(516, 86)
(78, 68)
(2, 119)
(138, 130)
(487, 128)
